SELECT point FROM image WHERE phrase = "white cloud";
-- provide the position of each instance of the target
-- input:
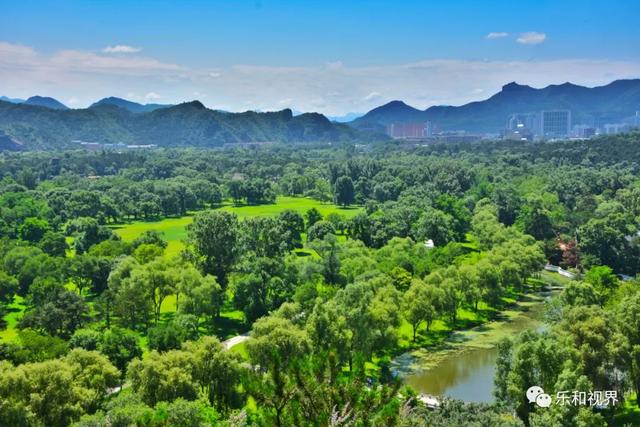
(152, 96)
(496, 35)
(531, 37)
(335, 91)
(335, 65)
(214, 75)
(121, 48)
(371, 96)
(80, 61)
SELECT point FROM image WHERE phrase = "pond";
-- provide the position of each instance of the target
(465, 368)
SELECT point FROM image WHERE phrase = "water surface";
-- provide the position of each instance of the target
(466, 368)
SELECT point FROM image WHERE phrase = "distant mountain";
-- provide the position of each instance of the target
(345, 118)
(134, 107)
(13, 100)
(187, 124)
(45, 101)
(9, 144)
(612, 103)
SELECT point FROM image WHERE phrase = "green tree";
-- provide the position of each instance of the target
(217, 371)
(205, 298)
(147, 252)
(157, 280)
(94, 374)
(33, 229)
(435, 225)
(628, 319)
(293, 224)
(43, 391)
(149, 237)
(344, 191)
(421, 304)
(87, 339)
(603, 280)
(165, 337)
(319, 230)
(214, 240)
(164, 377)
(275, 345)
(54, 244)
(8, 288)
(120, 346)
(59, 315)
(312, 216)
(371, 316)
(535, 219)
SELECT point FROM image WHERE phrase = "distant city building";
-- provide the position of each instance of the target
(409, 130)
(117, 146)
(555, 123)
(584, 131)
(523, 122)
(613, 128)
(457, 137)
(522, 126)
(252, 144)
(522, 134)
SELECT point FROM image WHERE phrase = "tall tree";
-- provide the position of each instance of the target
(421, 303)
(345, 192)
(214, 240)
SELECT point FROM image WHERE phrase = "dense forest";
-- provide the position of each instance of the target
(101, 330)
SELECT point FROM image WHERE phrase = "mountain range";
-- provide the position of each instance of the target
(134, 107)
(45, 123)
(613, 103)
(13, 100)
(187, 124)
(40, 101)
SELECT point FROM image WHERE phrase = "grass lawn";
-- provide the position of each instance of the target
(15, 312)
(629, 414)
(174, 229)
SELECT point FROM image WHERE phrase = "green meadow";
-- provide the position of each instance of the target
(174, 229)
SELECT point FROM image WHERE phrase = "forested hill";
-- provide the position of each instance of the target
(134, 107)
(612, 103)
(187, 124)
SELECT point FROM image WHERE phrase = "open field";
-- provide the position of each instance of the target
(15, 312)
(174, 229)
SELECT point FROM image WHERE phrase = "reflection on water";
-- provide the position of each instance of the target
(468, 374)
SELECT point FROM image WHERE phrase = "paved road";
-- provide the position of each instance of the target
(232, 342)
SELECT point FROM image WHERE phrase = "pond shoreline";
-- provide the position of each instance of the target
(468, 355)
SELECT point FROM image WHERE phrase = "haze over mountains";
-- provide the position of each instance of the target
(134, 107)
(612, 103)
(40, 101)
(187, 124)
(45, 123)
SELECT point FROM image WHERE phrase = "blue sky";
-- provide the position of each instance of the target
(327, 56)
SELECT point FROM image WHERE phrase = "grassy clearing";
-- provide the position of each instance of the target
(231, 321)
(15, 313)
(629, 414)
(174, 229)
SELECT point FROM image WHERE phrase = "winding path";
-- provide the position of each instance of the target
(234, 341)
